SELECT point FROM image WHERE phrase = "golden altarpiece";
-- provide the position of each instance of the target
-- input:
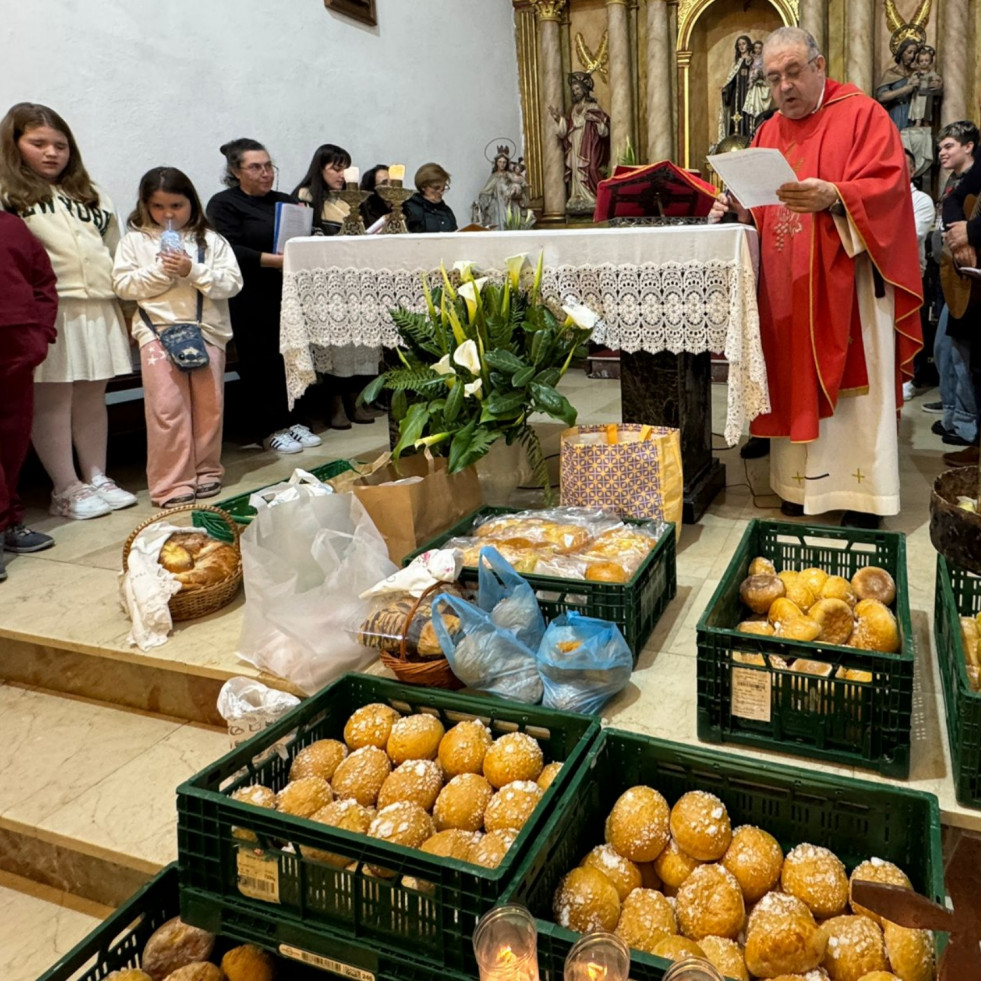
(658, 67)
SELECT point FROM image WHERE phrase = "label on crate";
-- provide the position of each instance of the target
(326, 963)
(258, 875)
(750, 694)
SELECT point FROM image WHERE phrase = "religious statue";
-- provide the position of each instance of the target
(505, 191)
(929, 86)
(758, 95)
(897, 85)
(585, 136)
(735, 89)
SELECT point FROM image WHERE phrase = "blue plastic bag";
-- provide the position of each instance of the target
(583, 663)
(485, 656)
(509, 598)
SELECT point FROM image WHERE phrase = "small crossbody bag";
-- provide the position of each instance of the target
(184, 343)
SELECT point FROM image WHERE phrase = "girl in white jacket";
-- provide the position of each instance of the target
(183, 408)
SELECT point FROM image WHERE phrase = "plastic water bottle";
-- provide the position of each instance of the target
(170, 239)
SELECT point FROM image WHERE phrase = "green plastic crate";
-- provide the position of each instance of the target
(855, 819)
(959, 594)
(634, 606)
(242, 512)
(366, 912)
(856, 723)
(119, 940)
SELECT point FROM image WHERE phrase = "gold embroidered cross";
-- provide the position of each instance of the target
(858, 475)
(799, 477)
(787, 223)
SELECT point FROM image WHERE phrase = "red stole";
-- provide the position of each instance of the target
(809, 317)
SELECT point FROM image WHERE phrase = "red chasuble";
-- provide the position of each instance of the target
(809, 315)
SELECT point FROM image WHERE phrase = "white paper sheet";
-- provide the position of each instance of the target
(753, 175)
(292, 221)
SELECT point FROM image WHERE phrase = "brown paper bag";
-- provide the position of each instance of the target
(412, 513)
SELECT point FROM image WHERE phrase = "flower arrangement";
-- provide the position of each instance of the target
(476, 365)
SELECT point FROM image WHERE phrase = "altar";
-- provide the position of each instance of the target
(668, 297)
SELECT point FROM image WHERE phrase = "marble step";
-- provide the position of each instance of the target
(87, 791)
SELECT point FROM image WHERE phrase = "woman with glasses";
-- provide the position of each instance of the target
(245, 214)
(426, 211)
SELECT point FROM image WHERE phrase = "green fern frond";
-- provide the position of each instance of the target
(528, 438)
(416, 330)
(413, 380)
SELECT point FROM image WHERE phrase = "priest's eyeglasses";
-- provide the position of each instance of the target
(792, 74)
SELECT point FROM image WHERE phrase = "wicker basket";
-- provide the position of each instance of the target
(188, 605)
(433, 672)
(954, 532)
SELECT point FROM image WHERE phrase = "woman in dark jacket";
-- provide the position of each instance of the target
(246, 215)
(425, 210)
(376, 206)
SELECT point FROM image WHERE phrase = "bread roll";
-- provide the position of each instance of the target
(727, 956)
(489, 852)
(876, 870)
(646, 918)
(755, 858)
(462, 749)
(304, 796)
(910, 952)
(623, 873)
(673, 865)
(710, 903)
(348, 815)
(174, 945)
(586, 900)
(816, 876)
(248, 963)
(782, 937)
(512, 805)
(513, 756)
(637, 827)
(198, 971)
(855, 948)
(759, 592)
(874, 582)
(319, 759)
(462, 802)
(370, 725)
(549, 772)
(676, 948)
(875, 627)
(418, 781)
(700, 825)
(360, 776)
(414, 737)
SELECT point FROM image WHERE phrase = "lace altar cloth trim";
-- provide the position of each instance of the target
(653, 307)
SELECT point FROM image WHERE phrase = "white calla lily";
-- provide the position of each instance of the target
(469, 291)
(467, 356)
(474, 387)
(443, 366)
(581, 315)
(463, 267)
(515, 263)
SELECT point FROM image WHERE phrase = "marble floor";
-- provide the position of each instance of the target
(65, 599)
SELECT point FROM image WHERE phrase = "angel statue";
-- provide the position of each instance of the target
(584, 131)
(505, 191)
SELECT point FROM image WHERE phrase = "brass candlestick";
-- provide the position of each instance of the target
(394, 195)
(352, 196)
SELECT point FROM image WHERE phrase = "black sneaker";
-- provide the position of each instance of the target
(22, 540)
(791, 510)
(952, 439)
(939, 429)
(935, 407)
(860, 519)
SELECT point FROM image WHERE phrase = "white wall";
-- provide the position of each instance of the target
(145, 83)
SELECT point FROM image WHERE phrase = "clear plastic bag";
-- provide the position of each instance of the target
(583, 663)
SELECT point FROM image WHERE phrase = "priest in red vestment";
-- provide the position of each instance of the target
(839, 289)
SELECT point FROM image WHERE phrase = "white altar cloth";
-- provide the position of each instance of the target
(679, 288)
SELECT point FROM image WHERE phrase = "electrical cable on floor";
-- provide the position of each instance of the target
(756, 495)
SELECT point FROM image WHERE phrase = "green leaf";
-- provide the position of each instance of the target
(528, 438)
(521, 378)
(507, 404)
(539, 345)
(422, 380)
(476, 447)
(373, 389)
(548, 400)
(416, 330)
(460, 446)
(549, 318)
(411, 428)
(453, 402)
(400, 406)
(550, 376)
(503, 360)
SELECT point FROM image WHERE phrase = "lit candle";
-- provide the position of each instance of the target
(506, 945)
(351, 176)
(396, 174)
(598, 957)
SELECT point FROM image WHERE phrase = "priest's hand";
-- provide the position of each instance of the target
(725, 204)
(955, 235)
(808, 196)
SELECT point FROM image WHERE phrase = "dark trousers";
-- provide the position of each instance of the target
(22, 348)
(263, 374)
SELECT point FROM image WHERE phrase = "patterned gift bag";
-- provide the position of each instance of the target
(629, 468)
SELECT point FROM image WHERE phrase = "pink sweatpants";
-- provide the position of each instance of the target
(183, 422)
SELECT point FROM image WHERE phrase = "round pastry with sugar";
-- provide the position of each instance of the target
(489, 852)
(710, 903)
(876, 870)
(677, 948)
(727, 956)
(759, 592)
(451, 843)
(646, 918)
(761, 627)
(360, 776)
(513, 756)
(800, 593)
(623, 873)
(782, 937)
(512, 805)
(837, 587)
(855, 948)
(761, 566)
(319, 759)
(649, 879)
(418, 781)
(673, 866)
(258, 796)
(755, 858)
(816, 876)
(910, 952)
(463, 747)
(549, 772)
(875, 627)
(586, 900)
(348, 815)
(835, 618)
(462, 802)
(874, 582)
(637, 827)
(370, 725)
(700, 825)
(304, 796)
(402, 823)
(248, 963)
(873, 976)
(198, 971)
(414, 737)
(173, 945)
(814, 578)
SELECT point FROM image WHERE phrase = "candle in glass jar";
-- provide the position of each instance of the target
(396, 174)
(352, 175)
(598, 956)
(506, 945)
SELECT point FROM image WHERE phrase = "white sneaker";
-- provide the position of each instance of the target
(111, 492)
(281, 442)
(81, 503)
(909, 391)
(303, 435)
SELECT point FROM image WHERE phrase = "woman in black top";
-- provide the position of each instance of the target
(376, 206)
(425, 210)
(246, 215)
